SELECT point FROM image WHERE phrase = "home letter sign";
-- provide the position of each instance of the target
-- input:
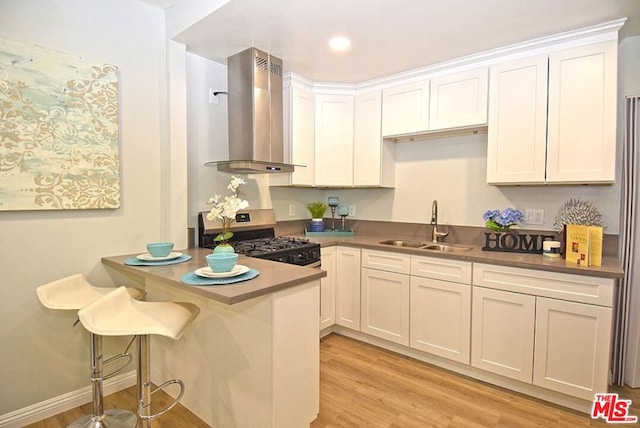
(514, 242)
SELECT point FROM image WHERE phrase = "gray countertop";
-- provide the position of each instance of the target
(611, 267)
(274, 276)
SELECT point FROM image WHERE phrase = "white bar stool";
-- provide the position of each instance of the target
(118, 314)
(73, 293)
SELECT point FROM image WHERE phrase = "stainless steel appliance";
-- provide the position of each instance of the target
(254, 236)
(256, 144)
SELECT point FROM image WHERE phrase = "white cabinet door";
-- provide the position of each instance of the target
(385, 305)
(459, 99)
(405, 109)
(517, 130)
(502, 334)
(334, 140)
(440, 321)
(328, 288)
(373, 158)
(301, 127)
(572, 347)
(581, 145)
(348, 287)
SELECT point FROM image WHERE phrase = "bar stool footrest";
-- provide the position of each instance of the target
(170, 406)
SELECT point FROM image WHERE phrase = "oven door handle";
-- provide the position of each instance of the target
(316, 264)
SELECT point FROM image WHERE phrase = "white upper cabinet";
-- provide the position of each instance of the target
(302, 135)
(517, 132)
(373, 158)
(459, 99)
(405, 109)
(334, 140)
(581, 145)
(552, 118)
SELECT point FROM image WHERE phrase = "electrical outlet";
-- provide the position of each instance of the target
(352, 210)
(534, 216)
(292, 210)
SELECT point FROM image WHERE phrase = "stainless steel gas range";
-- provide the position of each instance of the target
(254, 236)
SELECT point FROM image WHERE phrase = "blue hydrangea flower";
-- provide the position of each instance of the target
(501, 221)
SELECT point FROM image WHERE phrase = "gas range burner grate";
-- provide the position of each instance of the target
(265, 246)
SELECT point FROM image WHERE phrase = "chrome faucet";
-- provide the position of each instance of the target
(435, 235)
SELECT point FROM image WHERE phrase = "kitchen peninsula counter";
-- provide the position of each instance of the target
(251, 356)
(273, 276)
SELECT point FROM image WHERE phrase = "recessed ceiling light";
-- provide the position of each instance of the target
(339, 43)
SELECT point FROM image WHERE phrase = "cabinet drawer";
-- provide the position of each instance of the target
(576, 288)
(390, 262)
(444, 269)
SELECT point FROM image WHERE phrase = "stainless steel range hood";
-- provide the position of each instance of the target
(255, 115)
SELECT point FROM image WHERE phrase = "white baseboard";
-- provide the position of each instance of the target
(62, 403)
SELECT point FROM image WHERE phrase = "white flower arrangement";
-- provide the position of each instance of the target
(225, 210)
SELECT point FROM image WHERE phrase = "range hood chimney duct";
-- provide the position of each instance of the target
(255, 114)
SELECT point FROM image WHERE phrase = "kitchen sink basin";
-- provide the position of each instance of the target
(400, 243)
(450, 248)
(446, 248)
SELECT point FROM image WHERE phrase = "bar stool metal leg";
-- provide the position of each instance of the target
(99, 418)
(144, 380)
(144, 383)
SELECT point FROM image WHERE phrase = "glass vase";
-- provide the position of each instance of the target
(223, 247)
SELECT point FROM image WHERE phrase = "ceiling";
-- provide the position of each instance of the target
(388, 36)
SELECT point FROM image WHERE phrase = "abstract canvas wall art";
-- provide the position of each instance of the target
(59, 145)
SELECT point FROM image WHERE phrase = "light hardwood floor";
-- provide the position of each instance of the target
(365, 386)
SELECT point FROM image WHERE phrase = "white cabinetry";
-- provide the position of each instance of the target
(517, 132)
(405, 109)
(572, 347)
(334, 140)
(549, 329)
(459, 100)
(440, 321)
(373, 158)
(328, 288)
(348, 287)
(299, 133)
(581, 145)
(503, 330)
(385, 295)
(575, 141)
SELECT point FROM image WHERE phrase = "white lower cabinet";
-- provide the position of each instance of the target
(503, 333)
(572, 347)
(328, 288)
(385, 305)
(385, 295)
(440, 321)
(440, 318)
(549, 329)
(348, 287)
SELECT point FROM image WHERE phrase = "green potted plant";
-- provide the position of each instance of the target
(317, 210)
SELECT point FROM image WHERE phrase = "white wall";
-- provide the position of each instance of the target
(42, 355)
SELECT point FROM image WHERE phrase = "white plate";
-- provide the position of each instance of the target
(149, 258)
(208, 273)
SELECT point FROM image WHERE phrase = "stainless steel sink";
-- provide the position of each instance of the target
(450, 248)
(446, 247)
(400, 243)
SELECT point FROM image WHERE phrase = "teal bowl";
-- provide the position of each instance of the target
(160, 249)
(222, 262)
